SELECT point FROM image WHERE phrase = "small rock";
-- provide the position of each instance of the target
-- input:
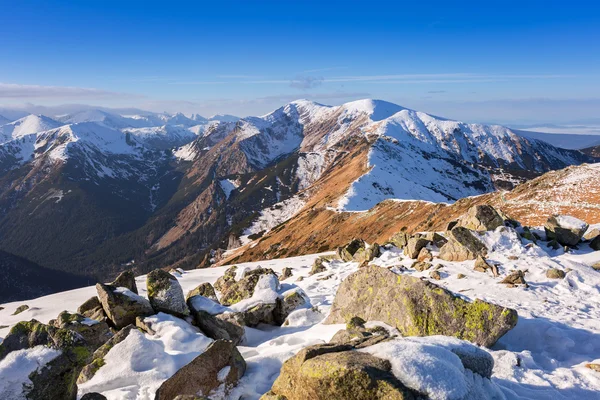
(435, 275)
(596, 266)
(300, 279)
(92, 308)
(400, 239)
(93, 396)
(227, 279)
(20, 309)
(165, 293)
(125, 279)
(512, 258)
(481, 265)
(515, 278)
(244, 289)
(425, 255)
(318, 266)
(460, 276)
(435, 238)
(591, 234)
(204, 289)
(285, 273)
(353, 251)
(555, 273)
(421, 266)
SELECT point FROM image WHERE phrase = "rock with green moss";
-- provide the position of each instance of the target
(125, 279)
(227, 279)
(414, 246)
(334, 371)
(20, 309)
(204, 289)
(165, 293)
(400, 239)
(418, 308)
(97, 359)
(205, 372)
(244, 288)
(92, 308)
(95, 333)
(27, 334)
(481, 218)
(462, 245)
(353, 251)
(121, 305)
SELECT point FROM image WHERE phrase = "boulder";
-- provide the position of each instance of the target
(318, 266)
(400, 239)
(555, 273)
(596, 266)
(565, 229)
(95, 333)
(421, 265)
(244, 289)
(97, 359)
(595, 244)
(210, 325)
(591, 234)
(165, 293)
(291, 300)
(334, 371)
(462, 245)
(425, 255)
(92, 308)
(227, 279)
(414, 246)
(481, 265)
(516, 277)
(121, 305)
(204, 289)
(263, 313)
(435, 238)
(285, 273)
(481, 218)
(435, 274)
(25, 335)
(125, 279)
(20, 309)
(353, 251)
(220, 364)
(418, 308)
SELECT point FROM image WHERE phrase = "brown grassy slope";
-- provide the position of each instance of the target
(573, 190)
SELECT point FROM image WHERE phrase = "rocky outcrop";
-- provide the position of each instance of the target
(165, 293)
(244, 288)
(220, 364)
(334, 371)
(125, 279)
(481, 218)
(121, 305)
(418, 308)
(566, 230)
(204, 289)
(462, 245)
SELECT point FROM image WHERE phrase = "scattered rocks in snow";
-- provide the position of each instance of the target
(165, 293)
(414, 246)
(95, 333)
(462, 245)
(221, 364)
(481, 218)
(121, 305)
(125, 279)
(418, 308)
(516, 277)
(204, 289)
(244, 288)
(20, 309)
(92, 308)
(555, 273)
(285, 274)
(565, 229)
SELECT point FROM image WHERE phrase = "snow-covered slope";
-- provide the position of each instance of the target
(27, 126)
(542, 358)
(162, 137)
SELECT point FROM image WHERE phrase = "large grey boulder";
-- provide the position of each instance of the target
(121, 305)
(165, 293)
(220, 364)
(462, 245)
(481, 218)
(565, 229)
(210, 325)
(418, 308)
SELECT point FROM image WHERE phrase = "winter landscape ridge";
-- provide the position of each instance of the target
(363, 251)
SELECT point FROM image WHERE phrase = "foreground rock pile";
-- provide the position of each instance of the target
(417, 322)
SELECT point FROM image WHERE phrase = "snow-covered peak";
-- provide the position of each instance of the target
(179, 119)
(224, 118)
(377, 110)
(26, 126)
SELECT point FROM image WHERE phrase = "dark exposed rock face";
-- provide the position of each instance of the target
(418, 308)
(563, 232)
(202, 374)
(462, 245)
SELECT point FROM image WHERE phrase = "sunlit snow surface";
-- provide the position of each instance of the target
(543, 357)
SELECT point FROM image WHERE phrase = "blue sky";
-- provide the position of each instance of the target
(477, 61)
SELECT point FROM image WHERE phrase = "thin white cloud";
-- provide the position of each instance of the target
(311, 71)
(18, 91)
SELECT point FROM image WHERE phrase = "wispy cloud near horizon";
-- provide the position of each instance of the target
(19, 91)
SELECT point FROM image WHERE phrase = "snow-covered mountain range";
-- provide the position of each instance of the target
(91, 191)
